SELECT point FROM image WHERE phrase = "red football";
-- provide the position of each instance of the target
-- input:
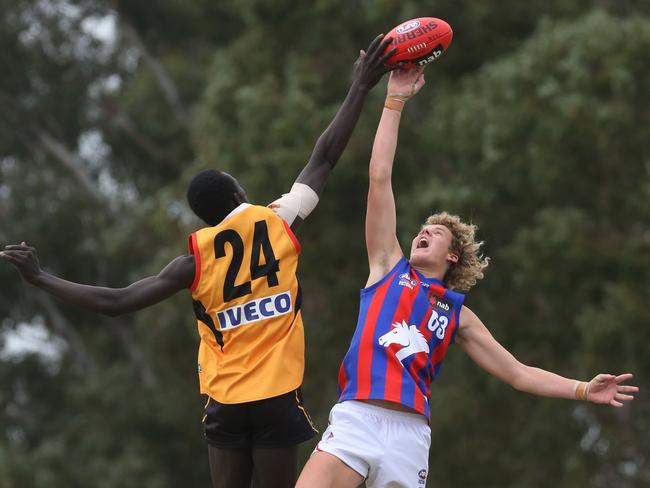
(419, 41)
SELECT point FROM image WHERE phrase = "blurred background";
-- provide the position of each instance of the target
(535, 125)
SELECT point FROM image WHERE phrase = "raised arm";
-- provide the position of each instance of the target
(381, 220)
(368, 70)
(177, 275)
(479, 344)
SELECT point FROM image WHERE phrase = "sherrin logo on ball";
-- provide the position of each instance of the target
(419, 41)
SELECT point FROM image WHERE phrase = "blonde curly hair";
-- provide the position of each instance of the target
(464, 274)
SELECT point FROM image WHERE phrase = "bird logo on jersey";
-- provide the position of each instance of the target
(407, 336)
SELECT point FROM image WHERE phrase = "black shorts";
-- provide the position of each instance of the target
(277, 422)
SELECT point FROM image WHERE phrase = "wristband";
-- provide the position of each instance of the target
(582, 391)
(393, 103)
(400, 96)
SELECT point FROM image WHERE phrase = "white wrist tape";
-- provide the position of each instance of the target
(299, 202)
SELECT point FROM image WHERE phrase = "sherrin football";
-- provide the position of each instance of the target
(419, 41)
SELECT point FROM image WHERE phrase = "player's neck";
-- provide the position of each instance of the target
(430, 271)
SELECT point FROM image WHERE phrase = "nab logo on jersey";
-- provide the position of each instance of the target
(255, 310)
(439, 303)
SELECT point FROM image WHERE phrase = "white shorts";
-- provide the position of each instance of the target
(386, 447)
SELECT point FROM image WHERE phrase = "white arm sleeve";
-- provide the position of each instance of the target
(299, 202)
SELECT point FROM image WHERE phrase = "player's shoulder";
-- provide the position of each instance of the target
(261, 210)
(239, 216)
(248, 208)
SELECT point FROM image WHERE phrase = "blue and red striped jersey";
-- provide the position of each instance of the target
(406, 322)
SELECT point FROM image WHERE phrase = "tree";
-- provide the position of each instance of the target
(101, 133)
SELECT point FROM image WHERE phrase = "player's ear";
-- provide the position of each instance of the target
(452, 258)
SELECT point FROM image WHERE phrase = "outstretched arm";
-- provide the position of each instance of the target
(479, 344)
(381, 220)
(176, 276)
(368, 70)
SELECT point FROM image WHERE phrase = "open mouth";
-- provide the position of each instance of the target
(422, 244)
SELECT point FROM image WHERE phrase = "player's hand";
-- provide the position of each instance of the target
(25, 260)
(370, 66)
(607, 389)
(405, 83)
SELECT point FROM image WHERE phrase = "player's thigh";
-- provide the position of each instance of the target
(230, 468)
(324, 470)
(406, 459)
(275, 468)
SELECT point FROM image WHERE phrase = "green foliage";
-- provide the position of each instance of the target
(534, 125)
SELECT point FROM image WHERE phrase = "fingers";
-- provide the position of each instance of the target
(381, 47)
(616, 404)
(19, 247)
(375, 51)
(389, 55)
(384, 45)
(386, 42)
(12, 257)
(15, 255)
(395, 68)
(621, 397)
(623, 377)
(373, 45)
(622, 390)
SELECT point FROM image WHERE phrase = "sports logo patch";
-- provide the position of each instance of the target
(423, 477)
(408, 27)
(439, 303)
(432, 56)
(407, 336)
(255, 310)
(405, 280)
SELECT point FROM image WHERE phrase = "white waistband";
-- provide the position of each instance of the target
(366, 408)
